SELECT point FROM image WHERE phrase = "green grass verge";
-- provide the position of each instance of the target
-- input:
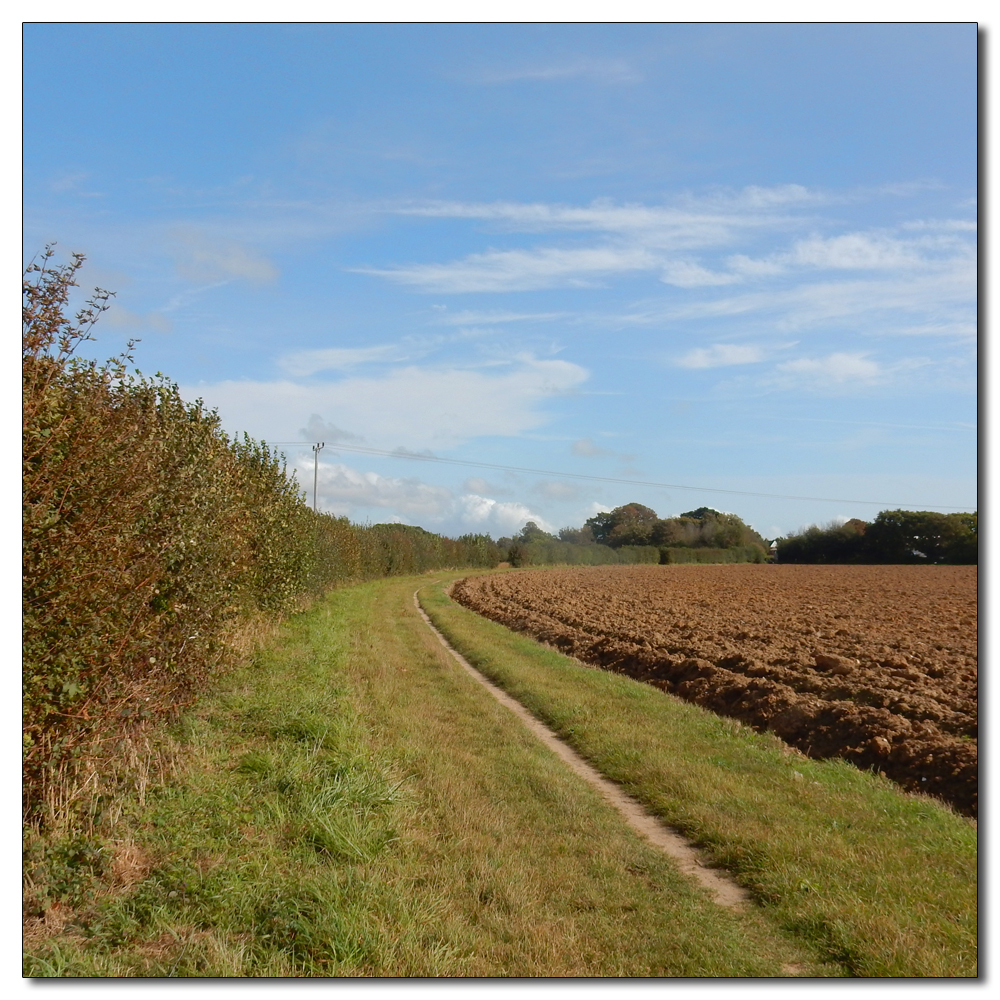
(880, 881)
(354, 804)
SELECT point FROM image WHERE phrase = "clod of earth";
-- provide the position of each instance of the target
(841, 665)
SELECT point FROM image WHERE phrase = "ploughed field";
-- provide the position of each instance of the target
(874, 664)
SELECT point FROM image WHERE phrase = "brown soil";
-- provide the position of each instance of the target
(874, 664)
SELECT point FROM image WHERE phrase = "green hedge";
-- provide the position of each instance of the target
(546, 552)
(150, 538)
(739, 554)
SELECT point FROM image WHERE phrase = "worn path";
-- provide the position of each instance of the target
(725, 891)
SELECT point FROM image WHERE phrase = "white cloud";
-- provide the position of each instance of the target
(476, 484)
(720, 355)
(754, 196)
(347, 491)
(520, 270)
(585, 448)
(872, 251)
(854, 251)
(342, 488)
(840, 366)
(470, 317)
(487, 515)
(747, 267)
(319, 430)
(412, 406)
(942, 225)
(688, 274)
(558, 490)
(338, 358)
(693, 221)
(944, 296)
(124, 319)
(205, 257)
(917, 279)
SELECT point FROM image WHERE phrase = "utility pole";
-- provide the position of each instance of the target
(317, 448)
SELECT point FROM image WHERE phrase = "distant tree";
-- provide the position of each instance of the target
(676, 531)
(577, 536)
(902, 536)
(895, 536)
(600, 526)
(701, 513)
(532, 533)
(708, 528)
(836, 543)
(630, 524)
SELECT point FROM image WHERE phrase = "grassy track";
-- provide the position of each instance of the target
(883, 882)
(355, 804)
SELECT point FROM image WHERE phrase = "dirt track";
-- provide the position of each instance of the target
(875, 664)
(724, 890)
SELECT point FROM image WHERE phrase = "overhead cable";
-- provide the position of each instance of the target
(410, 456)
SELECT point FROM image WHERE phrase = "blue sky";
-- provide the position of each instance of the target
(737, 258)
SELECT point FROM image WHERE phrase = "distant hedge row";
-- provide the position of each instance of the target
(149, 537)
(539, 553)
(736, 554)
(545, 552)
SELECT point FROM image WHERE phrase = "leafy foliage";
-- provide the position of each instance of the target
(895, 536)
(634, 524)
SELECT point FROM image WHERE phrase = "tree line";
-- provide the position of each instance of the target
(894, 536)
(634, 533)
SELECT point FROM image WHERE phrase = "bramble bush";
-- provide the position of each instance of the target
(149, 539)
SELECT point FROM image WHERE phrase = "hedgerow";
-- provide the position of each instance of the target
(149, 539)
(737, 554)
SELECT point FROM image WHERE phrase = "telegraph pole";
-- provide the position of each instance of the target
(317, 448)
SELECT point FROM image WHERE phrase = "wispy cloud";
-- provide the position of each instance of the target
(520, 270)
(302, 363)
(558, 490)
(471, 317)
(688, 274)
(690, 244)
(691, 221)
(943, 299)
(834, 368)
(125, 319)
(484, 487)
(585, 448)
(204, 256)
(319, 430)
(720, 355)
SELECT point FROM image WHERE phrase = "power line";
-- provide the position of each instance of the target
(608, 479)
